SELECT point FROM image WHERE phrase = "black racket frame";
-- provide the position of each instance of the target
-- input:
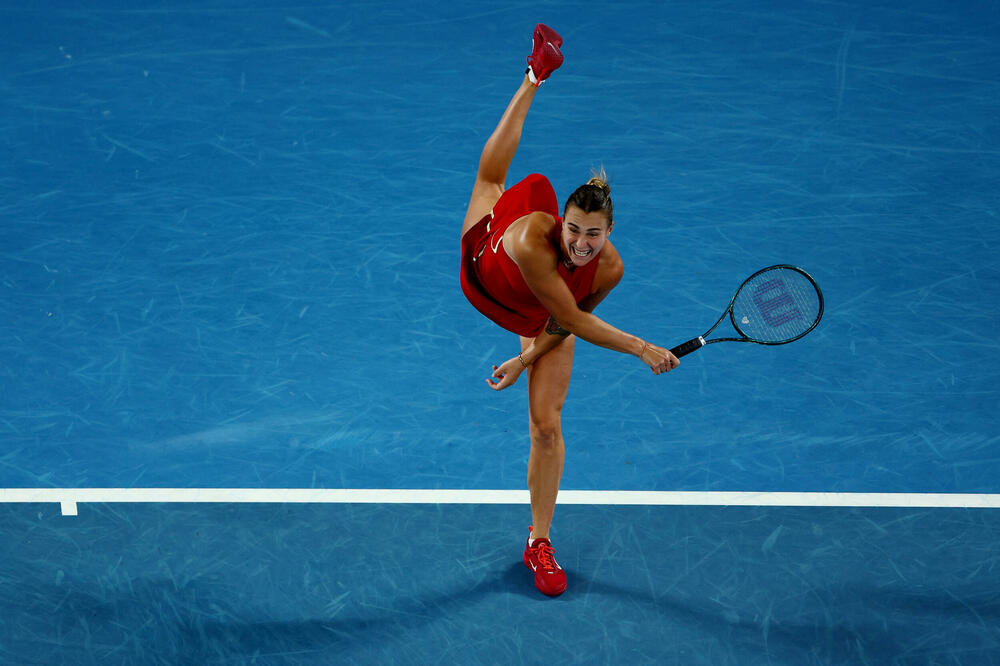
(697, 343)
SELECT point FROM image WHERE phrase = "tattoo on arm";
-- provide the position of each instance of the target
(553, 328)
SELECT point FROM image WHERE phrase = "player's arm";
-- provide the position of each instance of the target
(609, 274)
(552, 336)
(532, 250)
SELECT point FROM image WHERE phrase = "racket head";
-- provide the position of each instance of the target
(777, 305)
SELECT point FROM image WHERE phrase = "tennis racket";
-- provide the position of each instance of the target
(774, 306)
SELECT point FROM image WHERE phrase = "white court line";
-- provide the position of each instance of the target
(68, 498)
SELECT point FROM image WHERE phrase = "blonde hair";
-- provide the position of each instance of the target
(600, 179)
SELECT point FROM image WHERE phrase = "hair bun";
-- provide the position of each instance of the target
(600, 180)
(597, 182)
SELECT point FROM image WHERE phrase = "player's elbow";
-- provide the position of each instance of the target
(574, 321)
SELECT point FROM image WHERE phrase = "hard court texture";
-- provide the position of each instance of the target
(229, 259)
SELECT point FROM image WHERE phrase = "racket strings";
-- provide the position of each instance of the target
(776, 305)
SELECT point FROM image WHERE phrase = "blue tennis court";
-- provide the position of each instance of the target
(229, 260)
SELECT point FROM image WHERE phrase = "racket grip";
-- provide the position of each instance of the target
(688, 347)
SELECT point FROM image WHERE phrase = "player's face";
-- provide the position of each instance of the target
(583, 234)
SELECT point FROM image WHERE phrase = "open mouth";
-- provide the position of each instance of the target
(584, 253)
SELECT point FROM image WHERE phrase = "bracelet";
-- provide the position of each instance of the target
(521, 358)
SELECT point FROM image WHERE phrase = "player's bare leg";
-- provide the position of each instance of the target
(499, 151)
(498, 154)
(548, 383)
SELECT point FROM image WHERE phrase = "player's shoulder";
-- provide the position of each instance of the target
(538, 222)
(527, 239)
(531, 231)
(610, 262)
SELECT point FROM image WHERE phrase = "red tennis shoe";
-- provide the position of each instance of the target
(545, 55)
(550, 578)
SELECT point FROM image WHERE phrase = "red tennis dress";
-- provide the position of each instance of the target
(492, 281)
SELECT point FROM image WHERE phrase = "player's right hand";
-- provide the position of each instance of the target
(658, 359)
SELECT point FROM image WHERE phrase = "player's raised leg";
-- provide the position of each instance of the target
(497, 156)
(500, 148)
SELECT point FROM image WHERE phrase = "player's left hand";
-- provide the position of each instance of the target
(506, 374)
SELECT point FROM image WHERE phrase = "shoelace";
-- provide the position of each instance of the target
(545, 558)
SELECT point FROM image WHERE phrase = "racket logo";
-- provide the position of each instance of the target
(775, 304)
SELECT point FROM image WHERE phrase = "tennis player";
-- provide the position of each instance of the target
(540, 275)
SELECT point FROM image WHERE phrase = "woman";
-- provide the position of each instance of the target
(541, 276)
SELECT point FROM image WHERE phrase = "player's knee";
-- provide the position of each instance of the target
(490, 183)
(546, 430)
